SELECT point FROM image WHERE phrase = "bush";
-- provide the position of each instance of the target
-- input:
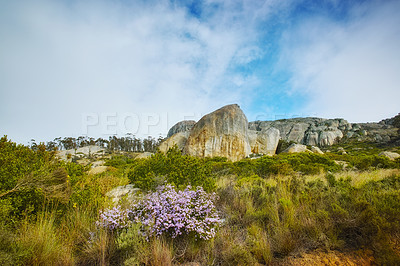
(169, 213)
(28, 178)
(175, 168)
(365, 162)
(132, 247)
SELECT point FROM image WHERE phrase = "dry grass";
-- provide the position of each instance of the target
(161, 253)
(40, 244)
(358, 178)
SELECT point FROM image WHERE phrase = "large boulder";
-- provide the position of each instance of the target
(144, 155)
(179, 139)
(87, 151)
(296, 148)
(328, 138)
(390, 155)
(264, 141)
(221, 133)
(315, 149)
(128, 192)
(183, 126)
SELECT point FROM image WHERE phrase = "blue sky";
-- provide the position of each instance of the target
(69, 68)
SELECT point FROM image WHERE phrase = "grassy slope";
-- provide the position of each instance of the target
(274, 209)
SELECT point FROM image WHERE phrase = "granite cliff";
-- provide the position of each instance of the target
(227, 133)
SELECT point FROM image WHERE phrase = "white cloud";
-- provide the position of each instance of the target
(60, 60)
(351, 68)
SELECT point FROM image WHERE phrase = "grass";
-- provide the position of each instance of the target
(273, 208)
(358, 178)
(40, 243)
(265, 220)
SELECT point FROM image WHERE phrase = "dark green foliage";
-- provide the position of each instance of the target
(174, 168)
(119, 161)
(365, 162)
(18, 162)
(286, 164)
(129, 143)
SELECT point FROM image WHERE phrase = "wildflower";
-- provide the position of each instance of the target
(170, 212)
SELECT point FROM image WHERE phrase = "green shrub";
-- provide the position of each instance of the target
(28, 178)
(131, 246)
(175, 168)
(365, 162)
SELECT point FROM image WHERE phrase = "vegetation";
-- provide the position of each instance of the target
(129, 143)
(266, 209)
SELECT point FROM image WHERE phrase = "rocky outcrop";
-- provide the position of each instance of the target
(92, 151)
(144, 155)
(308, 131)
(127, 192)
(223, 132)
(316, 150)
(179, 139)
(296, 148)
(391, 155)
(97, 167)
(326, 132)
(183, 126)
(264, 141)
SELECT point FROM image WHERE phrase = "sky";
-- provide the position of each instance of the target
(100, 68)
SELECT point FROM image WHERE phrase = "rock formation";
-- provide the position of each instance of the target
(183, 126)
(315, 149)
(226, 132)
(296, 148)
(221, 133)
(178, 139)
(325, 132)
(91, 150)
(264, 141)
(391, 155)
(127, 192)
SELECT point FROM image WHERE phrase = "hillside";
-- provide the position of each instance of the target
(96, 206)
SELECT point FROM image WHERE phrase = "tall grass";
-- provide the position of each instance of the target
(296, 214)
(40, 243)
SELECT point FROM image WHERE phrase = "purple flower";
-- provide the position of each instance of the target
(178, 212)
(167, 211)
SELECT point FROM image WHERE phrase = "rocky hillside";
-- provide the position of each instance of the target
(325, 132)
(226, 132)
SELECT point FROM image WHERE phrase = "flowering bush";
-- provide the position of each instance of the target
(114, 218)
(170, 212)
(176, 212)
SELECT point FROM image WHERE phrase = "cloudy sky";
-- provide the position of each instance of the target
(101, 67)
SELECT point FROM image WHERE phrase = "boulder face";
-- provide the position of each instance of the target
(183, 126)
(322, 132)
(296, 148)
(226, 132)
(309, 131)
(264, 141)
(179, 139)
(118, 193)
(391, 155)
(316, 150)
(221, 133)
